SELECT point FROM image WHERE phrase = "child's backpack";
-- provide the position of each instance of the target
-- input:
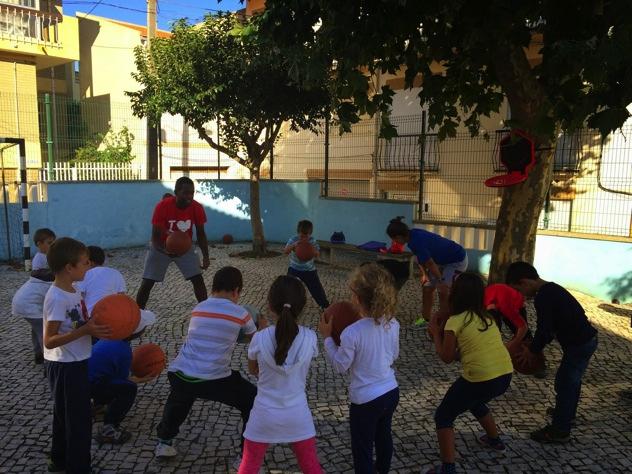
(337, 238)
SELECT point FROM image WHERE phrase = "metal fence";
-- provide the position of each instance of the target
(591, 192)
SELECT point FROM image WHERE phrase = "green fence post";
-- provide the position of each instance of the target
(49, 138)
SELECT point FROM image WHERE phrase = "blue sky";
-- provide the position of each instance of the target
(134, 11)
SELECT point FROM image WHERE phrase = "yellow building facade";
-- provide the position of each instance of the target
(35, 39)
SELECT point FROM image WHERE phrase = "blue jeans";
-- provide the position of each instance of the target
(568, 382)
(312, 282)
(371, 423)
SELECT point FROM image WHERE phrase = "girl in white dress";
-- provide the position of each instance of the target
(280, 356)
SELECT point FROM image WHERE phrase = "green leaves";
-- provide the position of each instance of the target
(466, 52)
(224, 69)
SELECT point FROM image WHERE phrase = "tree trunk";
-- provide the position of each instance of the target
(258, 239)
(517, 222)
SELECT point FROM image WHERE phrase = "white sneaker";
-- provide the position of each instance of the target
(164, 450)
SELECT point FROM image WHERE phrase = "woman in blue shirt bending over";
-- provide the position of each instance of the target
(440, 260)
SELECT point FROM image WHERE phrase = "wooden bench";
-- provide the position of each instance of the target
(331, 250)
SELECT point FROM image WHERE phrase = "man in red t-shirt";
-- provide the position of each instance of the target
(181, 212)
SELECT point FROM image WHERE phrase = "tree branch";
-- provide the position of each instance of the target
(227, 151)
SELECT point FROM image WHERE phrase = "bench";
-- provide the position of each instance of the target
(330, 250)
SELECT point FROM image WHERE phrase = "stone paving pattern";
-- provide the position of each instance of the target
(208, 442)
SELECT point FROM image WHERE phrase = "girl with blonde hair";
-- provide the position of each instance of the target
(367, 350)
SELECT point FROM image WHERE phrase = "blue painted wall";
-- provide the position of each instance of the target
(118, 214)
(600, 268)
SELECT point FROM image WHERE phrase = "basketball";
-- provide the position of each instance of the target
(119, 312)
(343, 314)
(304, 251)
(536, 365)
(148, 359)
(227, 239)
(178, 243)
(254, 314)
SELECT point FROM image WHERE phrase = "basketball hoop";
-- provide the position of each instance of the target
(517, 155)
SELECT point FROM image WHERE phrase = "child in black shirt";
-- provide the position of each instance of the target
(560, 316)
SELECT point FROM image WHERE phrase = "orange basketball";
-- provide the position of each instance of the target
(227, 239)
(343, 314)
(178, 243)
(148, 359)
(536, 365)
(119, 312)
(304, 251)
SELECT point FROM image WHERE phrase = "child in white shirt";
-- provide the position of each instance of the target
(43, 239)
(67, 348)
(368, 349)
(100, 281)
(280, 356)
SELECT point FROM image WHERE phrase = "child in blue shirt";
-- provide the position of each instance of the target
(111, 383)
(306, 271)
(440, 260)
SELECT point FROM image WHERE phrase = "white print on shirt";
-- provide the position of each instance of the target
(182, 226)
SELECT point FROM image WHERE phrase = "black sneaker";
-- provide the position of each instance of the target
(550, 411)
(550, 434)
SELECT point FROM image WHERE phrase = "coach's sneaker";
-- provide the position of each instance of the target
(550, 434)
(112, 434)
(165, 450)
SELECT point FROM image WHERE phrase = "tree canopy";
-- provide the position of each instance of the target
(218, 71)
(584, 76)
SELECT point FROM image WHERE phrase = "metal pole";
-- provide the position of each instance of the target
(49, 138)
(152, 132)
(218, 152)
(25, 207)
(422, 164)
(272, 162)
(326, 190)
(6, 205)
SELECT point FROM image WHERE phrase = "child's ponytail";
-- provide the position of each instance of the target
(287, 299)
(285, 332)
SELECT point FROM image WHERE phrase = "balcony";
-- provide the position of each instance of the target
(47, 36)
(21, 24)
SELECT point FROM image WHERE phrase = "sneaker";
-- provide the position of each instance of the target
(112, 434)
(165, 450)
(550, 411)
(420, 323)
(550, 434)
(495, 444)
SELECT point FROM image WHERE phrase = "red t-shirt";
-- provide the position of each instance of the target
(170, 217)
(508, 301)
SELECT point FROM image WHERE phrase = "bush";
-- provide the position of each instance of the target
(109, 147)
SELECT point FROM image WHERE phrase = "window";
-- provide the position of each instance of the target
(23, 3)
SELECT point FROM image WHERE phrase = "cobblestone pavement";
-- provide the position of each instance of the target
(208, 442)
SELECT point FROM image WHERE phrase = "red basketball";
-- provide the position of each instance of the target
(536, 365)
(178, 243)
(227, 239)
(119, 312)
(148, 359)
(304, 251)
(343, 314)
